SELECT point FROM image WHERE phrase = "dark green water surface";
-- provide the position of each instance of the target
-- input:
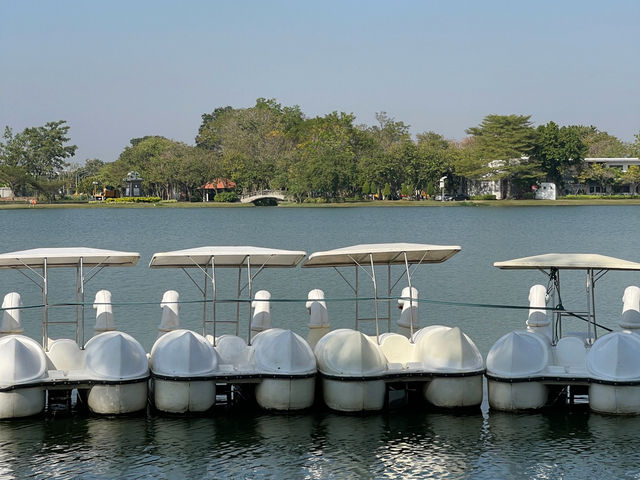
(399, 444)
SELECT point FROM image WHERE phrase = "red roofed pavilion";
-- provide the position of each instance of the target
(216, 186)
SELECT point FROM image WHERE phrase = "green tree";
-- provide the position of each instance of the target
(326, 155)
(469, 161)
(35, 156)
(87, 174)
(635, 146)
(44, 151)
(386, 150)
(602, 176)
(210, 132)
(256, 144)
(558, 151)
(632, 177)
(504, 143)
(601, 144)
(169, 169)
(434, 158)
(504, 137)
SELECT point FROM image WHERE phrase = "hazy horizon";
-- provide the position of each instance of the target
(119, 70)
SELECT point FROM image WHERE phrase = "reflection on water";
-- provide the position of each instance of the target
(248, 444)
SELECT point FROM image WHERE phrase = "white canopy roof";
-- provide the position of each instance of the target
(68, 257)
(569, 261)
(383, 254)
(227, 256)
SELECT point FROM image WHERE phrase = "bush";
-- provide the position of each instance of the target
(226, 197)
(134, 200)
(486, 196)
(600, 197)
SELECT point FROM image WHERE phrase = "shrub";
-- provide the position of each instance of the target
(226, 197)
(486, 196)
(134, 200)
(600, 197)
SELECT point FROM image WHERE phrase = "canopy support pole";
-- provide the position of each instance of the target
(80, 334)
(45, 308)
(250, 286)
(375, 296)
(406, 266)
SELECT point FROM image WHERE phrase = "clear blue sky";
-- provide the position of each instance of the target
(116, 70)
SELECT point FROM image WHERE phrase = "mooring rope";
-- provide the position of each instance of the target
(290, 300)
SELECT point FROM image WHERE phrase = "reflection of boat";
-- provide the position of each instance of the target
(111, 367)
(186, 366)
(523, 365)
(359, 370)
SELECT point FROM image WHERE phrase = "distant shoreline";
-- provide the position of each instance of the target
(377, 203)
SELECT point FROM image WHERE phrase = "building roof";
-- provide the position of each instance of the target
(619, 160)
(219, 184)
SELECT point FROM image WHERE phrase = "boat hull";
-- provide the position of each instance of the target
(616, 399)
(23, 402)
(454, 392)
(354, 395)
(118, 399)
(286, 394)
(507, 396)
(184, 396)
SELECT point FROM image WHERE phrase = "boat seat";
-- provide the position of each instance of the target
(64, 354)
(396, 348)
(571, 352)
(233, 350)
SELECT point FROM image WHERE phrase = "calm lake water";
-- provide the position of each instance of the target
(398, 444)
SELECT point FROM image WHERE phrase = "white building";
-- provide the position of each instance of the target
(546, 191)
(612, 162)
(492, 187)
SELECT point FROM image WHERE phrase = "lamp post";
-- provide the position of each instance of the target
(442, 179)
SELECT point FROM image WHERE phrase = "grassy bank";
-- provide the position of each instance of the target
(376, 203)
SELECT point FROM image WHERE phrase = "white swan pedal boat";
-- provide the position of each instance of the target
(525, 365)
(358, 370)
(186, 366)
(110, 370)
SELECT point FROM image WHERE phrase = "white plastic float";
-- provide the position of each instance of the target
(318, 316)
(358, 370)
(278, 362)
(524, 365)
(111, 369)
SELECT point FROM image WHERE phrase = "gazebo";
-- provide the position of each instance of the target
(210, 189)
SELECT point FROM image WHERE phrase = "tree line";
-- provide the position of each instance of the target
(323, 158)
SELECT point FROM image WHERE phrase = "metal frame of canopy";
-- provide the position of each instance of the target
(595, 266)
(388, 254)
(205, 258)
(65, 257)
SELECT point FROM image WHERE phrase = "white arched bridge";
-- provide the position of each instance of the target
(261, 195)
